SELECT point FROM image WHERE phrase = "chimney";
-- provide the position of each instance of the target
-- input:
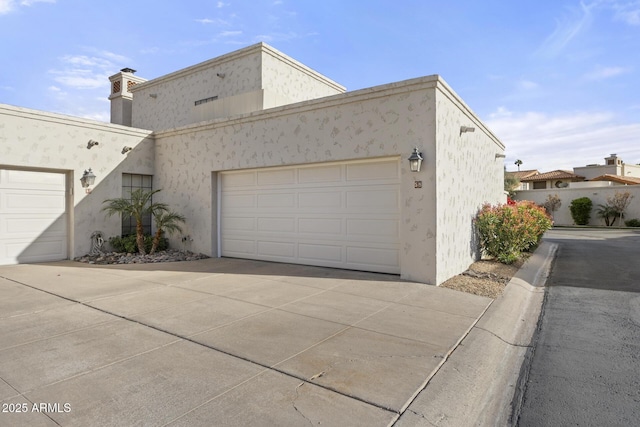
(121, 97)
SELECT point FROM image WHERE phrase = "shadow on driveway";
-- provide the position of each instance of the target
(220, 342)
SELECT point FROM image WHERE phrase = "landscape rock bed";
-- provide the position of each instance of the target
(169, 255)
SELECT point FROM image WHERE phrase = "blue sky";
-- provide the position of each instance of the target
(557, 81)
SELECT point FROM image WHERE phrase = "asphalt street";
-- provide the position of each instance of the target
(585, 366)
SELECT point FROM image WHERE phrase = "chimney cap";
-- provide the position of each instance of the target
(128, 70)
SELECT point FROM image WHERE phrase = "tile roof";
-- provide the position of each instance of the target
(557, 174)
(617, 178)
(522, 174)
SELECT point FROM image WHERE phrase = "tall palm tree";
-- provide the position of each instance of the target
(518, 163)
(165, 221)
(137, 207)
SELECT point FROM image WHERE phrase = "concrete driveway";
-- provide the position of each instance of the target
(219, 342)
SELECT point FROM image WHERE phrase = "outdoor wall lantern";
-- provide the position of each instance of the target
(91, 143)
(500, 156)
(125, 150)
(88, 178)
(415, 160)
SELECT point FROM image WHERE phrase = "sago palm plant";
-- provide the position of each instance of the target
(137, 207)
(165, 221)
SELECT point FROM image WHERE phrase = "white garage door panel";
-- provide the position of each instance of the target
(237, 247)
(343, 215)
(33, 219)
(320, 226)
(372, 256)
(313, 252)
(14, 227)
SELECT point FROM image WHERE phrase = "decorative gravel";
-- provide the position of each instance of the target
(486, 278)
(169, 255)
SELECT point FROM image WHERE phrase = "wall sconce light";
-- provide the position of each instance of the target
(415, 160)
(464, 129)
(91, 143)
(153, 95)
(500, 156)
(88, 178)
(221, 75)
(125, 149)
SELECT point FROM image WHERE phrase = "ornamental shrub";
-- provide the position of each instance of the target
(128, 243)
(632, 223)
(581, 210)
(508, 230)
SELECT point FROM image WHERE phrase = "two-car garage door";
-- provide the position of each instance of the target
(343, 215)
(33, 219)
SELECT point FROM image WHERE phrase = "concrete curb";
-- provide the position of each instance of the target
(476, 385)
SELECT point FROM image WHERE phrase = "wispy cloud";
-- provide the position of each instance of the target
(603, 73)
(87, 72)
(548, 142)
(528, 85)
(221, 4)
(7, 6)
(230, 33)
(217, 21)
(271, 37)
(567, 29)
(627, 11)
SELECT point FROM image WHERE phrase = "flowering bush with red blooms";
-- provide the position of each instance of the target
(510, 201)
(508, 230)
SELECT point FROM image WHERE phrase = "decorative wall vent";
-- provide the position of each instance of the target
(130, 84)
(116, 86)
(204, 101)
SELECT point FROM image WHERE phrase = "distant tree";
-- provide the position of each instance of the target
(608, 213)
(518, 163)
(511, 184)
(552, 204)
(619, 202)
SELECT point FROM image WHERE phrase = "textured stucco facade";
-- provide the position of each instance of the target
(250, 79)
(39, 141)
(272, 111)
(385, 121)
(468, 174)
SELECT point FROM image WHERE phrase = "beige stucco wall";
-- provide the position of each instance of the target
(598, 196)
(468, 175)
(36, 140)
(389, 120)
(284, 77)
(255, 78)
(177, 92)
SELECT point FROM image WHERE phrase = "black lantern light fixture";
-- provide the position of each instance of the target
(415, 160)
(88, 178)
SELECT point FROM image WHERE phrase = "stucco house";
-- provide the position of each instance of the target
(268, 160)
(553, 179)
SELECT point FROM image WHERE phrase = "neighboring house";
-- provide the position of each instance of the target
(613, 166)
(618, 180)
(553, 179)
(520, 175)
(268, 160)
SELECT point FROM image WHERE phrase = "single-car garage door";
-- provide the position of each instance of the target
(343, 215)
(33, 219)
